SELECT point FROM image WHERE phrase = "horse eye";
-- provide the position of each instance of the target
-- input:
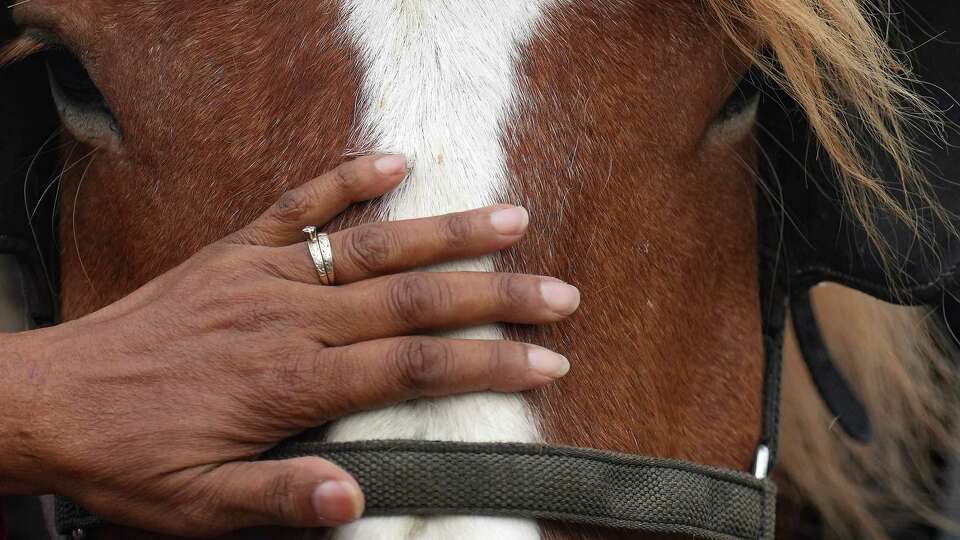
(742, 100)
(736, 118)
(738, 105)
(81, 105)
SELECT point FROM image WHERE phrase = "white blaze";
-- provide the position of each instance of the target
(439, 85)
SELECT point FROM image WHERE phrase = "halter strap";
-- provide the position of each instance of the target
(541, 482)
(574, 485)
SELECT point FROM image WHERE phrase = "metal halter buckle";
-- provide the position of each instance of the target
(762, 463)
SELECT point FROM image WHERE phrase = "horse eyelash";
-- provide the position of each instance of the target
(31, 42)
(19, 49)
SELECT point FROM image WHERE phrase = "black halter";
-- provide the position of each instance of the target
(589, 486)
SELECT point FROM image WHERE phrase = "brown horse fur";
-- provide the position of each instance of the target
(635, 196)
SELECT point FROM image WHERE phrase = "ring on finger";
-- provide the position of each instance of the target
(318, 244)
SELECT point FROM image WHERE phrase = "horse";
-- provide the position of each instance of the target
(623, 127)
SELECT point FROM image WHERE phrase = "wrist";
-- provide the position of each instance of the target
(23, 378)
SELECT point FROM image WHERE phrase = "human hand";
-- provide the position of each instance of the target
(149, 411)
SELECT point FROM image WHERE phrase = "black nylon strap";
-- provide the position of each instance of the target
(839, 397)
(773, 305)
(542, 482)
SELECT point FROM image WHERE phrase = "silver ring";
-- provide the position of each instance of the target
(321, 252)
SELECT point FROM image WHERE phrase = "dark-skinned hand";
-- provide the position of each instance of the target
(151, 411)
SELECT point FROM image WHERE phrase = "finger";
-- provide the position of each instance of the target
(374, 374)
(429, 301)
(302, 492)
(386, 248)
(321, 199)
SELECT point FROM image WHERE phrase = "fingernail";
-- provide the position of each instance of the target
(560, 297)
(510, 221)
(338, 501)
(547, 362)
(390, 165)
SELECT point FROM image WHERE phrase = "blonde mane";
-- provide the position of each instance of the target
(832, 58)
(830, 55)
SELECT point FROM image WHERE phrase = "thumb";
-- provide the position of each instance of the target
(302, 492)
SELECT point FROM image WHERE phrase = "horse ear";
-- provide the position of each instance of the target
(820, 241)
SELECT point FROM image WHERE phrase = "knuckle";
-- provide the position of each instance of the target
(512, 290)
(412, 298)
(246, 235)
(280, 499)
(497, 359)
(225, 266)
(422, 363)
(269, 266)
(334, 326)
(255, 317)
(458, 230)
(336, 397)
(370, 247)
(290, 380)
(292, 205)
(214, 252)
(205, 514)
(225, 257)
(286, 391)
(345, 177)
(253, 310)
